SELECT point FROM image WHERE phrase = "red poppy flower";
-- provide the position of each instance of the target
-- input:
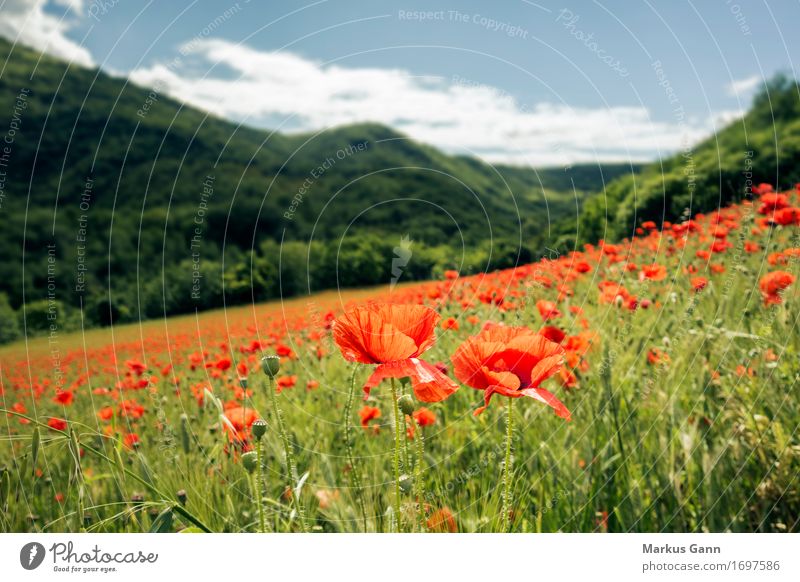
(424, 416)
(130, 440)
(240, 420)
(547, 309)
(106, 413)
(512, 361)
(553, 334)
(64, 397)
(699, 283)
(442, 521)
(653, 272)
(57, 423)
(773, 284)
(393, 337)
(368, 413)
(787, 216)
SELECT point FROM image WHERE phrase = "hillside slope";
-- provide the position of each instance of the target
(145, 200)
(761, 147)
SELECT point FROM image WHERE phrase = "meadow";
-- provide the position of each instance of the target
(669, 402)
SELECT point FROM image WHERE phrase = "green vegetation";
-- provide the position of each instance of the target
(155, 208)
(763, 146)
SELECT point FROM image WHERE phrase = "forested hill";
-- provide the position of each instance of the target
(762, 146)
(139, 195)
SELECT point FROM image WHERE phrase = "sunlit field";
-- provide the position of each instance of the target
(654, 389)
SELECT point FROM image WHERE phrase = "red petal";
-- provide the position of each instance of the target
(430, 384)
(543, 395)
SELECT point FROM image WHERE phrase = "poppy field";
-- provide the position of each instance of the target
(646, 384)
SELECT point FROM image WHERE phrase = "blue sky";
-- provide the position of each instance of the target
(538, 83)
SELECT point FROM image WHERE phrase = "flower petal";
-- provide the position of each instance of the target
(546, 397)
(429, 383)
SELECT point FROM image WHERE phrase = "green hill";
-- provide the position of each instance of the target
(153, 207)
(762, 146)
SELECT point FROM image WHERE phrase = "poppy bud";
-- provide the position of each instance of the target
(259, 428)
(250, 461)
(406, 482)
(406, 404)
(243, 382)
(182, 496)
(271, 365)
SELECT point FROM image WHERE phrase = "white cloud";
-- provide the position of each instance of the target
(260, 87)
(743, 86)
(27, 22)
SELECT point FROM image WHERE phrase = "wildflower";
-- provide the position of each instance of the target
(368, 413)
(512, 361)
(773, 284)
(450, 323)
(442, 521)
(547, 310)
(130, 440)
(64, 397)
(240, 420)
(57, 423)
(653, 272)
(393, 337)
(424, 416)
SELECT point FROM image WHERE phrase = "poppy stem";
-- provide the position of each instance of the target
(507, 468)
(287, 449)
(419, 467)
(260, 486)
(355, 476)
(398, 435)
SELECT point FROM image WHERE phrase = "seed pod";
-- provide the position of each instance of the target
(271, 365)
(406, 404)
(243, 382)
(406, 483)
(259, 428)
(181, 495)
(250, 461)
(186, 441)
